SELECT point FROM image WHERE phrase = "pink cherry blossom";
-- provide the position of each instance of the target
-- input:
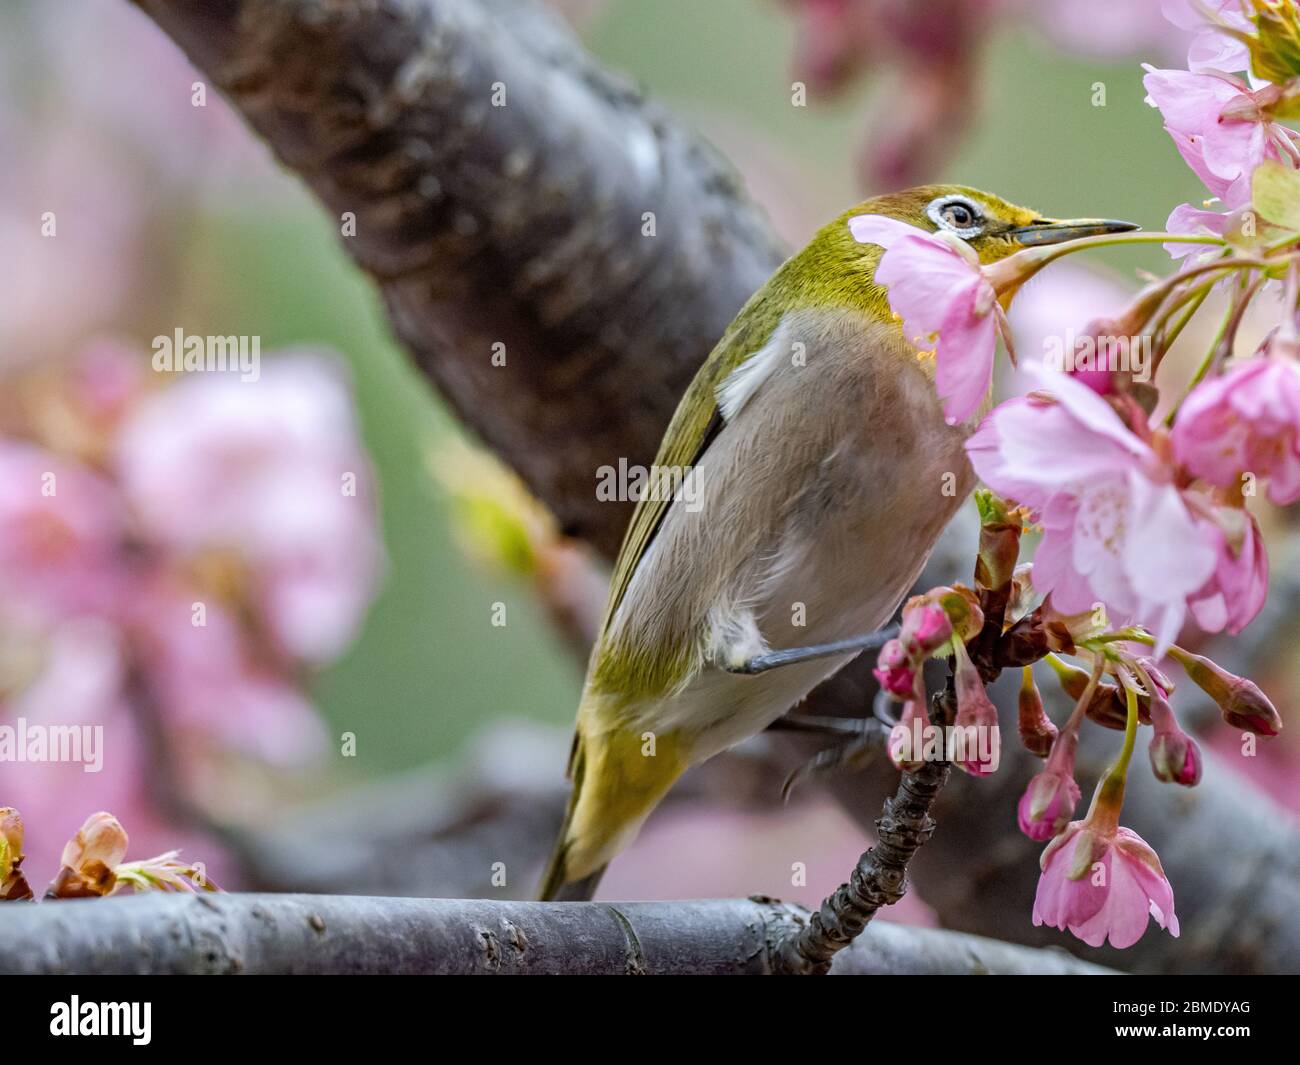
(1231, 193)
(1236, 131)
(1246, 421)
(1210, 48)
(937, 288)
(1235, 593)
(270, 472)
(1116, 529)
(1101, 883)
(926, 627)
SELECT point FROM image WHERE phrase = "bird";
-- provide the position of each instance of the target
(814, 471)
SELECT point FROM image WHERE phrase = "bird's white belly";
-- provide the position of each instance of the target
(846, 583)
(852, 499)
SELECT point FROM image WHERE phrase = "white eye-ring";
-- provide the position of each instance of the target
(957, 215)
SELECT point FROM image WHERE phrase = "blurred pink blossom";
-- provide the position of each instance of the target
(157, 108)
(1174, 755)
(1048, 305)
(61, 527)
(190, 548)
(1109, 29)
(269, 471)
(78, 241)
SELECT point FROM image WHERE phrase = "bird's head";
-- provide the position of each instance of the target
(992, 227)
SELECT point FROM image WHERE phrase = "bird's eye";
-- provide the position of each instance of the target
(956, 215)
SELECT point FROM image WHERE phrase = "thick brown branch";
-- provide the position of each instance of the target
(507, 190)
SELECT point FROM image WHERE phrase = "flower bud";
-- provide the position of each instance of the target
(1037, 732)
(894, 670)
(926, 628)
(905, 751)
(1240, 701)
(999, 545)
(1162, 679)
(963, 610)
(13, 885)
(1175, 758)
(89, 859)
(1048, 803)
(979, 738)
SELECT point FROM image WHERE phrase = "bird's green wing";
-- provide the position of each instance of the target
(693, 427)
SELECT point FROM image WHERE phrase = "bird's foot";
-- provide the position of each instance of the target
(859, 741)
(872, 641)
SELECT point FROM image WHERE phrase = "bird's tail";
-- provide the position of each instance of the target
(615, 785)
(556, 885)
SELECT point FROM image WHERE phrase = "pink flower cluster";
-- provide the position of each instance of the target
(174, 554)
(1224, 126)
(1144, 522)
(1124, 525)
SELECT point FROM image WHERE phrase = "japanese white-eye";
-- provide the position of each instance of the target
(822, 471)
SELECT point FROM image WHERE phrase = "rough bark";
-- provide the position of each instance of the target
(307, 934)
(520, 224)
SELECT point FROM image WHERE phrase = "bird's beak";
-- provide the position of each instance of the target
(1053, 231)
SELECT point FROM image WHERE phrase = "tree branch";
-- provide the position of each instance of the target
(519, 224)
(879, 879)
(183, 934)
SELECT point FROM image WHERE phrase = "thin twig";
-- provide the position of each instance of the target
(880, 877)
